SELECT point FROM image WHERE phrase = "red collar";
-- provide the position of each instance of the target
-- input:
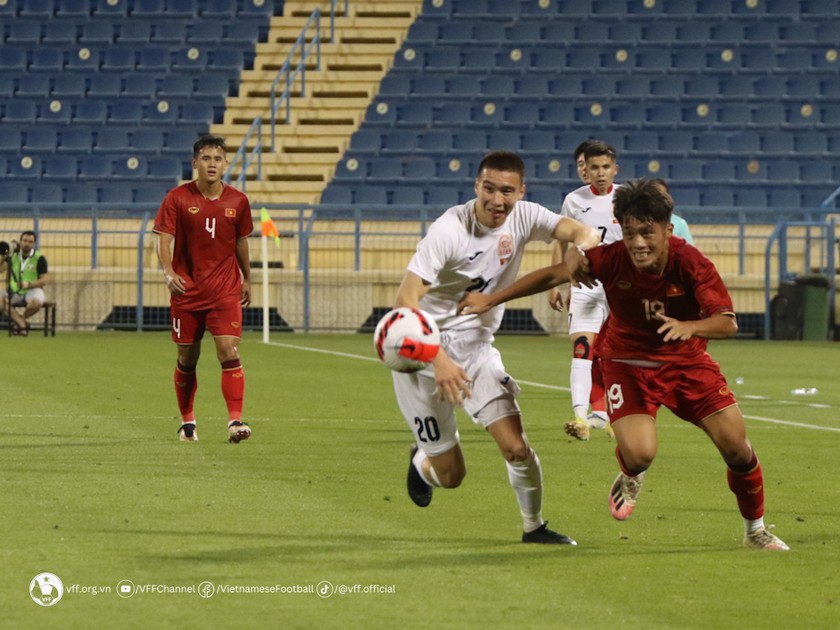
(597, 194)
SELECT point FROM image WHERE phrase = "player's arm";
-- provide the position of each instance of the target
(163, 248)
(572, 231)
(475, 303)
(452, 381)
(243, 259)
(718, 326)
(556, 299)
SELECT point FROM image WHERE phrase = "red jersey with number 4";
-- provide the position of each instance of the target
(206, 232)
(690, 288)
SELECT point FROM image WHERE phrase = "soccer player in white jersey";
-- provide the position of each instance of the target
(590, 204)
(477, 246)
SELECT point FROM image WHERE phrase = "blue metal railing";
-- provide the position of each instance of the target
(245, 157)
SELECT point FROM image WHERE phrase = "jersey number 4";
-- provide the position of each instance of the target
(210, 226)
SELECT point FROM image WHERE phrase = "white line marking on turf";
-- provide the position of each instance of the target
(566, 389)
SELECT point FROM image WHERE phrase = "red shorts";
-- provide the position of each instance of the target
(692, 391)
(188, 326)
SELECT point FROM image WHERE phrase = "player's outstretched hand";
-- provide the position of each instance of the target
(474, 304)
(674, 329)
(556, 299)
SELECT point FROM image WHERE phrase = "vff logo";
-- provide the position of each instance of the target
(46, 589)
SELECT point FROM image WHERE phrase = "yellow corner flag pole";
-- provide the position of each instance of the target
(268, 229)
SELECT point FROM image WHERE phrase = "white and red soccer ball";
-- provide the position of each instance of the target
(406, 339)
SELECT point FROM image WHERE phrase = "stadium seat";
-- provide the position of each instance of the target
(212, 85)
(190, 59)
(400, 141)
(70, 10)
(74, 140)
(164, 112)
(10, 140)
(48, 192)
(25, 167)
(133, 167)
(768, 87)
(82, 59)
(522, 115)
(189, 113)
(116, 59)
(19, 111)
(777, 142)
(337, 195)
(40, 140)
(463, 85)
(453, 169)
(7, 86)
(148, 140)
(48, 60)
(111, 8)
(12, 59)
(408, 196)
(784, 170)
(96, 33)
(370, 195)
(383, 170)
(135, 31)
(816, 171)
(538, 142)
(95, 167)
(41, 9)
(59, 168)
(420, 168)
(750, 197)
(124, 112)
(745, 142)
(442, 196)
(165, 168)
(400, 85)
(67, 86)
(80, 192)
(33, 85)
(144, 85)
(469, 141)
(154, 59)
(366, 141)
(14, 192)
(422, 32)
(107, 86)
(811, 142)
(182, 9)
(113, 140)
(204, 32)
(115, 193)
(784, 198)
(435, 141)
(169, 32)
(24, 32)
(715, 196)
(225, 9)
(503, 140)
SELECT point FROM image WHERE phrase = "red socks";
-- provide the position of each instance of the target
(233, 387)
(747, 483)
(185, 386)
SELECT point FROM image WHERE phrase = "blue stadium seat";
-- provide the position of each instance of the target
(423, 85)
(366, 141)
(745, 142)
(774, 141)
(190, 59)
(46, 59)
(408, 196)
(523, 32)
(592, 32)
(737, 86)
(694, 32)
(750, 197)
(783, 170)
(812, 142)
(75, 140)
(668, 86)
(19, 111)
(47, 192)
(91, 112)
(166, 112)
(111, 8)
(770, 115)
(419, 168)
(383, 170)
(400, 141)
(769, 87)
(169, 32)
(154, 59)
(452, 114)
(125, 112)
(816, 171)
(679, 141)
(59, 168)
(82, 59)
(204, 32)
(151, 193)
(42, 9)
(556, 116)
(14, 192)
(435, 141)
(68, 9)
(370, 195)
(442, 196)
(12, 59)
(457, 31)
(67, 86)
(750, 171)
(144, 85)
(335, 194)
(95, 167)
(643, 141)
(224, 59)
(400, 85)
(115, 193)
(103, 86)
(182, 9)
(797, 32)
(467, 141)
(40, 140)
(134, 167)
(33, 85)
(805, 86)
(422, 32)
(522, 114)
(464, 84)
(734, 115)
(449, 58)
(80, 192)
(757, 60)
(7, 86)
(165, 168)
(135, 31)
(255, 8)
(26, 167)
(661, 32)
(10, 140)
(766, 32)
(212, 85)
(554, 59)
(537, 141)
(600, 86)
(717, 196)
(795, 59)
(111, 140)
(784, 198)
(97, 33)
(503, 140)
(225, 9)
(117, 59)
(498, 86)
(147, 8)
(449, 169)
(24, 32)
(148, 140)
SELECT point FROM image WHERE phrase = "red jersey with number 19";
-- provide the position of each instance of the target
(689, 288)
(206, 232)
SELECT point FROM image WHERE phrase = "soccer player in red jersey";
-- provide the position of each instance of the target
(208, 275)
(666, 301)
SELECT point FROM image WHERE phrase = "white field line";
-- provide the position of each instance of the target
(788, 423)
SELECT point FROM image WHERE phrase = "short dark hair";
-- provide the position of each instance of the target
(643, 200)
(581, 148)
(208, 140)
(502, 161)
(29, 233)
(597, 148)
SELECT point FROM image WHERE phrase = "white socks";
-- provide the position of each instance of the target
(431, 478)
(580, 382)
(526, 480)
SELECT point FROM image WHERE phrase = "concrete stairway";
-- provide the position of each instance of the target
(322, 120)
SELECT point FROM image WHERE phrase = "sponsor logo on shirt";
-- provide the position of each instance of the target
(675, 290)
(504, 249)
(230, 212)
(623, 284)
(193, 210)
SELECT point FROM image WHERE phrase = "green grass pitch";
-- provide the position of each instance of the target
(97, 489)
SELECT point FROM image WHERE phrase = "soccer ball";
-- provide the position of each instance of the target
(406, 339)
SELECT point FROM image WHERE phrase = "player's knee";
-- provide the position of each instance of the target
(517, 452)
(451, 478)
(581, 349)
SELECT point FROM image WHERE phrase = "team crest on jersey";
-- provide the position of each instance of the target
(504, 249)
(675, 290)
(193, 210)
(623, 284)
(235, 324)
(230, 212)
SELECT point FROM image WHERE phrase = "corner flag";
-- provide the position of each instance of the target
(268, 227)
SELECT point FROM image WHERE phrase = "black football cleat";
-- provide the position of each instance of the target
(544, 536)
(418, 490)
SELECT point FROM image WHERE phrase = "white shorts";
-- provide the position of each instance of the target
(431, 419)
(36, 295)
(588, 309)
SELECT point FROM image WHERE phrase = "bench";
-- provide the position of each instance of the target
(48, 311)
